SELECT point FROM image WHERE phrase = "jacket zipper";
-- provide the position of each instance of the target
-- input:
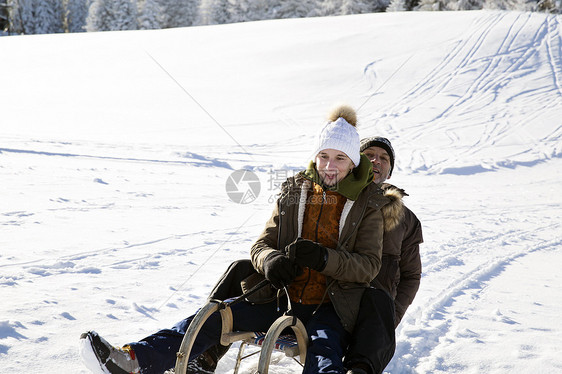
(279, 208)
(280, 226)
(319, 215)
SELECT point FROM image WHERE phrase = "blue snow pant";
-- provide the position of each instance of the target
(327, 337)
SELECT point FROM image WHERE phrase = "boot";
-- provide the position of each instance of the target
(97, 353)
(356, 371)
(206, 363)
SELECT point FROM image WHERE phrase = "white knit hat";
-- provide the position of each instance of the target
(340, 134)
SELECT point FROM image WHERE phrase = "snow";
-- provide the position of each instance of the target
(116, 147)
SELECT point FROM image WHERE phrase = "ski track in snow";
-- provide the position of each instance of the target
(195, 159)
(473, 78)
(437, 316)
(466, 263)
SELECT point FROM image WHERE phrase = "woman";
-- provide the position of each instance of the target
(323, 241)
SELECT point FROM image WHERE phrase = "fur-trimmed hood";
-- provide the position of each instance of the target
(393, 212)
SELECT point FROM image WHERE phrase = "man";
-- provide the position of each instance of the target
(393, 290)
(373, 340)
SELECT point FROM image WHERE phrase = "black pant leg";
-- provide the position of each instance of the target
(373, 340)
(229, 284)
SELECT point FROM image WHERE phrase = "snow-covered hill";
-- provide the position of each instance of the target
(115, 149)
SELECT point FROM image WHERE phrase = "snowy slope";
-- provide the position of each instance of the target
(115, 149)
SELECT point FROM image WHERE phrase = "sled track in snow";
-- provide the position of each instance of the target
(504, 68)
(552, 42)
(435, 82)
(473, 74)
(435, 324)
(471, 246)
(423, 329)
(105, 258)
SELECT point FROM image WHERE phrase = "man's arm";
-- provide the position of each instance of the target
(410, 265)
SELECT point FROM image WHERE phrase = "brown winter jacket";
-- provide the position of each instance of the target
(401, 268)
(357, 257)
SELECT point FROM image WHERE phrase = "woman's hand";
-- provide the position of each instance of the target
(307, 253)
(279, 270)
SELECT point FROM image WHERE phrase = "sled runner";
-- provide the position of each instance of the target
(269, 341)
(287, 344)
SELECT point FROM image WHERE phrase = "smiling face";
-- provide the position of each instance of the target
(381, 163)
(333, 166)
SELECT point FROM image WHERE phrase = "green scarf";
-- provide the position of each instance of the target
(350, 186)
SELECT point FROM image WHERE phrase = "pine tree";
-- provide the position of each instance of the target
(254, 10)
(520, 5)
(499, 4)
(295, 9)
(22, 19)
(431, 5)
(149, 16)
(396, 6)
(464, 5)
(76, 13)
(179, 13)
(237, 11)
(112, 15)
(4, 16)
(328, 7)
(412, 4)
(380, 5)
(123, 15)
(164, 17)
(549, 6)
(219, 12)
(99, 15)
(48, 16)
(359, 6)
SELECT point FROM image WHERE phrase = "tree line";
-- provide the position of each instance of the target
(58, 16)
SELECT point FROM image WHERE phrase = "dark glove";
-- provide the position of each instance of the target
(279, 270)
(308, 253)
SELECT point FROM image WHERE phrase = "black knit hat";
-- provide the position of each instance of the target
(379, 141)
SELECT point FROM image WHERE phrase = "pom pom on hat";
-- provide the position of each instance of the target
(340, 134)
(346, 112)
